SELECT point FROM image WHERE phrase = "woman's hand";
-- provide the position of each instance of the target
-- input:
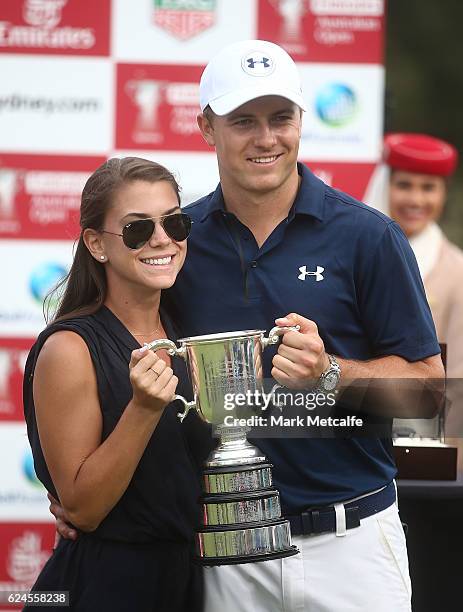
(153, 381)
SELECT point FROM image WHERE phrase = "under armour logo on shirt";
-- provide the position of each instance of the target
(304, 273)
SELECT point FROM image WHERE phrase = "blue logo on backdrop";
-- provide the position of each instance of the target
(29, 471)
(336, 104)
(44, 278)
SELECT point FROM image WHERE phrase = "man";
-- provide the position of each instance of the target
(255, 241)
(257, 245)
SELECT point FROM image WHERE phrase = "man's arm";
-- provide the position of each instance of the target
(390, 386)
(64, 527)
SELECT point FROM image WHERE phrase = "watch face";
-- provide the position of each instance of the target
(330, 381)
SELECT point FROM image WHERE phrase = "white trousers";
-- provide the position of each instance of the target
(364, 570)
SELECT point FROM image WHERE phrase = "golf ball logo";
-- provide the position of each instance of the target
(336, 104)
(29, 471)
(44, 278)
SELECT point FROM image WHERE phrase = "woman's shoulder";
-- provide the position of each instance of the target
(85, 327)
(65, 357)
(63, 343)
(66, 340)
(59, 352)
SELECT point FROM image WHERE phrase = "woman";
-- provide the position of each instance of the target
(105, 436)
(420, 168)
(412, 188)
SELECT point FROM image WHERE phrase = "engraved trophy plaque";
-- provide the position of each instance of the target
(241, 510)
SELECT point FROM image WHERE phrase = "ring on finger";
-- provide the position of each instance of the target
(154, 372)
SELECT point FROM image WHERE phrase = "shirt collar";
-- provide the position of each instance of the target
(310, 198)
(215, 203)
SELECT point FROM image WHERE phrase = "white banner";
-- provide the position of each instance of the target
(179, 31)
(58, 105)
(22, 496)
(32, 268)
(343, 121)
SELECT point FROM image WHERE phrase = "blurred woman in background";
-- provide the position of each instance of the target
(419, 169)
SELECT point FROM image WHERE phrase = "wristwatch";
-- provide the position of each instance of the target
(329, 379)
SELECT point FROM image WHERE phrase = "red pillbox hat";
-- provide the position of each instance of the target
(420, 153)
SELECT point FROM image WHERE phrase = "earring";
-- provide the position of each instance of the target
(102, 257)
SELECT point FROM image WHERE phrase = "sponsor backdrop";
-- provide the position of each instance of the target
(84, 80)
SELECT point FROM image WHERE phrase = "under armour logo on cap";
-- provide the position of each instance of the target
(257, 64)
(304, 273)
(252, 62)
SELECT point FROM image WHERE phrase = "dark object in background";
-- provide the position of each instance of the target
(426, 462)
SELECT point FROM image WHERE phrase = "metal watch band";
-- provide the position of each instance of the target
(329, 379)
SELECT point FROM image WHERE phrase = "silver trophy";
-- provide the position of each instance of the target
(242, 519)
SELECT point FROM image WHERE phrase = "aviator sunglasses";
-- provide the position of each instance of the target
(137, 233)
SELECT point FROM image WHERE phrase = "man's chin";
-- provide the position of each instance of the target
(269, 183)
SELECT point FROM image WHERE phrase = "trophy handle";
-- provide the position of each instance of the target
(188, 406)
(277, 404)
(172, 348)
(276, 332)
(174, 351)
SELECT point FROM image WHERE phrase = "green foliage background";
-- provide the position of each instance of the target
(424, 82)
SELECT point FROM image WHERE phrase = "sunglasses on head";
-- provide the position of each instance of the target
(137, 233)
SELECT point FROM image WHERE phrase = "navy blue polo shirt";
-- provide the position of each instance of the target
(368, 301)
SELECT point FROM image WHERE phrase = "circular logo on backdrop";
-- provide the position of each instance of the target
(336, 104)
(29, 471)
(44, 278)
(257, 63)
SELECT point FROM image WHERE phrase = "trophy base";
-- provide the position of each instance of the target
(241, 508)
(211, 561)
(244, 543)
(234, 449)
(242, 520)
(233, 479)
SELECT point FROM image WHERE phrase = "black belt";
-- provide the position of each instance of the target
(323, 519)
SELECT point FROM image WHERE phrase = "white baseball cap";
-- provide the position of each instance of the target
(247, 70)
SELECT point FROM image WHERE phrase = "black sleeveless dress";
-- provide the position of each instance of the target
(141, 555)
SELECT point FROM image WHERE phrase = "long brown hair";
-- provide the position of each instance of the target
(83, 290)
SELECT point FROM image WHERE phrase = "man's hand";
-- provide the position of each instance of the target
(389, 385)
(301, 357)
(63, 528)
